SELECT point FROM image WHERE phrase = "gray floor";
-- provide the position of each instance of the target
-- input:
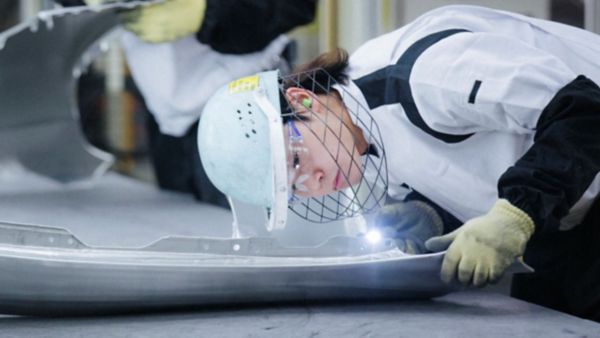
(114, 211)
(117, 211)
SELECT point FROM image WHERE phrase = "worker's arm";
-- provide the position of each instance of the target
(497, 83)
(481, 249)
(244, 26)
(157, 22)
(487, 82)
(227, 26)
(565, 158)
(410, 223)
(165, 21)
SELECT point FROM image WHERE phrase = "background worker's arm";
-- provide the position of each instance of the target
(159, 22)
(227, 26)
(165, 21)
(245, 26)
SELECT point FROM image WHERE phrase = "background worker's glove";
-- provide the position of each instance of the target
(410, 223)
(482, 248)
(164, 21)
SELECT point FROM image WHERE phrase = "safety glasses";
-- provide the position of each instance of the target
(297, 154)
(328, 125)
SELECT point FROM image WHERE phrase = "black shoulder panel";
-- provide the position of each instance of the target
(391, 85)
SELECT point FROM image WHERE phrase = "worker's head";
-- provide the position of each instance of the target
(324, 144)
(265, 138)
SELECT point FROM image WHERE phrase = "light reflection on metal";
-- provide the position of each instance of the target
(50, 271)
(373, 236)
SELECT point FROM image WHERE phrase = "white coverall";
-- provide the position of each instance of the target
(177, 78)
(475, 104)
(483, 81)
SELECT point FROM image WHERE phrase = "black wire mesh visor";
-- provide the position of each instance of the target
(360, 184)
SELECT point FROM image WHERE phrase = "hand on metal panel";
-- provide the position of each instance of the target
(481, 249)
(411, 224)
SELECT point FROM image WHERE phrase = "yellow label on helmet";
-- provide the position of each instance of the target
(244, 84)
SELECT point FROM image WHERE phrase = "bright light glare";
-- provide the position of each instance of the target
(373, 236)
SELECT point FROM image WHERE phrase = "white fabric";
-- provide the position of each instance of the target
(511, 54)
(177, 78)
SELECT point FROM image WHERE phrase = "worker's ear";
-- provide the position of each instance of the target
(302, 100)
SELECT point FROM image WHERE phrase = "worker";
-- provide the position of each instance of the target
(489, 116)
(179, 50)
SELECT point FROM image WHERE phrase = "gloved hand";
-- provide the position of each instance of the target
(164, 21)
(410, 223)
(482, 248)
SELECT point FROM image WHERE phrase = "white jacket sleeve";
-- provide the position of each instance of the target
(474, 82)
(177, 78)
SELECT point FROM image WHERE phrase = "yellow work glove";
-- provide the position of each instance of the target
(482, 248)
(165, 21)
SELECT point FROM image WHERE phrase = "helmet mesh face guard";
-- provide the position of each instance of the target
(331, 121)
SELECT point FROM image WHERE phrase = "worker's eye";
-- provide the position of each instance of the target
(295, 166)
(296, 161)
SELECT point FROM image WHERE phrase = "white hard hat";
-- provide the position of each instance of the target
(244, 150)
(241, 144)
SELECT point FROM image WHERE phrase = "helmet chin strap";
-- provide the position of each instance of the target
(278, 212)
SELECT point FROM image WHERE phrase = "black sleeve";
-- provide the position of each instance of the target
(564, 159)
(245, 26)
(70, 3)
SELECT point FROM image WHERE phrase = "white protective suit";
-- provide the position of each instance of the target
(177, 78)
(457, 98)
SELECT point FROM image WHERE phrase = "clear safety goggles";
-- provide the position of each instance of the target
(297, 155)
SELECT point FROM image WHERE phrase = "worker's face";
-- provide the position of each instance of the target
(323, 150)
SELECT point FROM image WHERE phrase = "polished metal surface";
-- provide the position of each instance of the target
(49, 271)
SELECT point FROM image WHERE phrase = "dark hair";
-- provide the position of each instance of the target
(315, 76)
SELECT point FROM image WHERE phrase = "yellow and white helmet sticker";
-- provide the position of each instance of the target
(244, 84)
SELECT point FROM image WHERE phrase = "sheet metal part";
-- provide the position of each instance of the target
(115, 263)
(40, 62)
(48, 270)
